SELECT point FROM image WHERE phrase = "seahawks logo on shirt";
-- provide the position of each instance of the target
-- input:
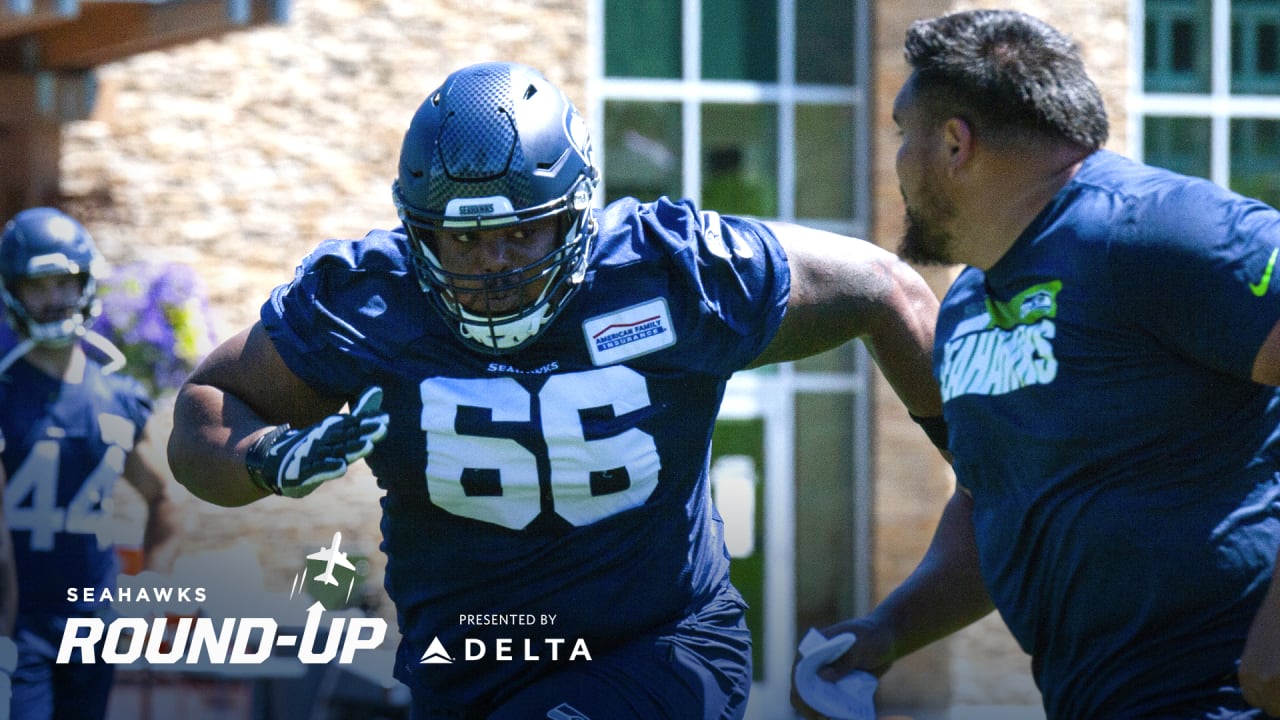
(1006, 347)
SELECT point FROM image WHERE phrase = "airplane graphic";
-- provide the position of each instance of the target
(331, 556)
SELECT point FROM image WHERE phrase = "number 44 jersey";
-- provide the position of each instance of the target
(65, 446)
(558, 493)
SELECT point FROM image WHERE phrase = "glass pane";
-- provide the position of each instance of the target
(739, 40)
(824, 505)
(1178, 39)
(642, 150)
(825, 162)
(740, 159)
(736, 442)
(1180, 144)
(824, 47)
(1255, 159)
(642, 39)
(1255, 47)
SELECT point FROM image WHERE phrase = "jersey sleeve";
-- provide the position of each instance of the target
(1196, 270)
(134, 398)
(318, 321)
(737, 271)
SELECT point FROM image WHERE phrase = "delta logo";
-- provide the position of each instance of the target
(510, 650)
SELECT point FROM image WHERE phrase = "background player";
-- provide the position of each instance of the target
(71, 429)
(1106, 363)
(541, 380)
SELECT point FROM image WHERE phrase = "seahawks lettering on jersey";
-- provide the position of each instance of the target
(1008, 346)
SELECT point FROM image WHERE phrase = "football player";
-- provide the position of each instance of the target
(72, 428)
(534, 382)
(1108, 361)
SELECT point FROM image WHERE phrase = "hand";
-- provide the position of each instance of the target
(873, 653)
(294, 462)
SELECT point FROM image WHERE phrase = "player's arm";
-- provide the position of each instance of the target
(942, 595)
(842, 288)
(8, 603)
(8, 568)
(240, 393)
(1260, 663)
(146, 471)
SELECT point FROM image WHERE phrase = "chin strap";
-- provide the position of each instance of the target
(115, 359)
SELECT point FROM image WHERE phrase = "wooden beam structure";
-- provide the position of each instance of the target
(48, 51)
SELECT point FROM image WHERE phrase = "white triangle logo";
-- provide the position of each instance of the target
(435, 654)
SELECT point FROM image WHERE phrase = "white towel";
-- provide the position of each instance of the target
(850, 697)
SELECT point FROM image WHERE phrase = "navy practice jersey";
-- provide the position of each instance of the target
(1122, 464)
(65, 447)
(568, 479)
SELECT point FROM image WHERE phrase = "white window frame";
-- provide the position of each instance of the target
(1219, 105)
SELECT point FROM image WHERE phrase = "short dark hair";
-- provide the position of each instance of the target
(1007, 73)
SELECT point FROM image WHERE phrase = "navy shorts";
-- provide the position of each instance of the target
(697, 668)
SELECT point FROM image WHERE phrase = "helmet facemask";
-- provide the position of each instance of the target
(61, 331)
(478, 305)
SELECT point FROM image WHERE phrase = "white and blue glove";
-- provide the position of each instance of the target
(294, 463)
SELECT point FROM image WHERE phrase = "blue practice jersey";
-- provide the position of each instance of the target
(1122, 464)
(568, 479)
(65, 447)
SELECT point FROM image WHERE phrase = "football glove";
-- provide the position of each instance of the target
(294, 463)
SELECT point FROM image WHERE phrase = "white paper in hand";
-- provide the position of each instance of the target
(849, 698)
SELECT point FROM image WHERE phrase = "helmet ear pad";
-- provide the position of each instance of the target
(497, 144)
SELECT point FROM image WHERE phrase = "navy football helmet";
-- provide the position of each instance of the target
(497, 145)
(40, 242)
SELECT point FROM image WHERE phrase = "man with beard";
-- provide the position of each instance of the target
(70, 428)
(1107, 362)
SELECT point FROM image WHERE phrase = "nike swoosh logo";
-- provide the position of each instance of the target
(1260, 288)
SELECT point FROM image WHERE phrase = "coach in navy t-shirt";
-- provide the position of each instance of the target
(1107, 364)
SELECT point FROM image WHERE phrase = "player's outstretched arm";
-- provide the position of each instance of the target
(241, 394)
(844, 288)
(8, 574)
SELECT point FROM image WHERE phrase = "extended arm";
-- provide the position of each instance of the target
(241, 392)
(842, 288)
(8, 569)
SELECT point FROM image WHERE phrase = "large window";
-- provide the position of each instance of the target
(759, 107)
(753, 107)
(1209, 100)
